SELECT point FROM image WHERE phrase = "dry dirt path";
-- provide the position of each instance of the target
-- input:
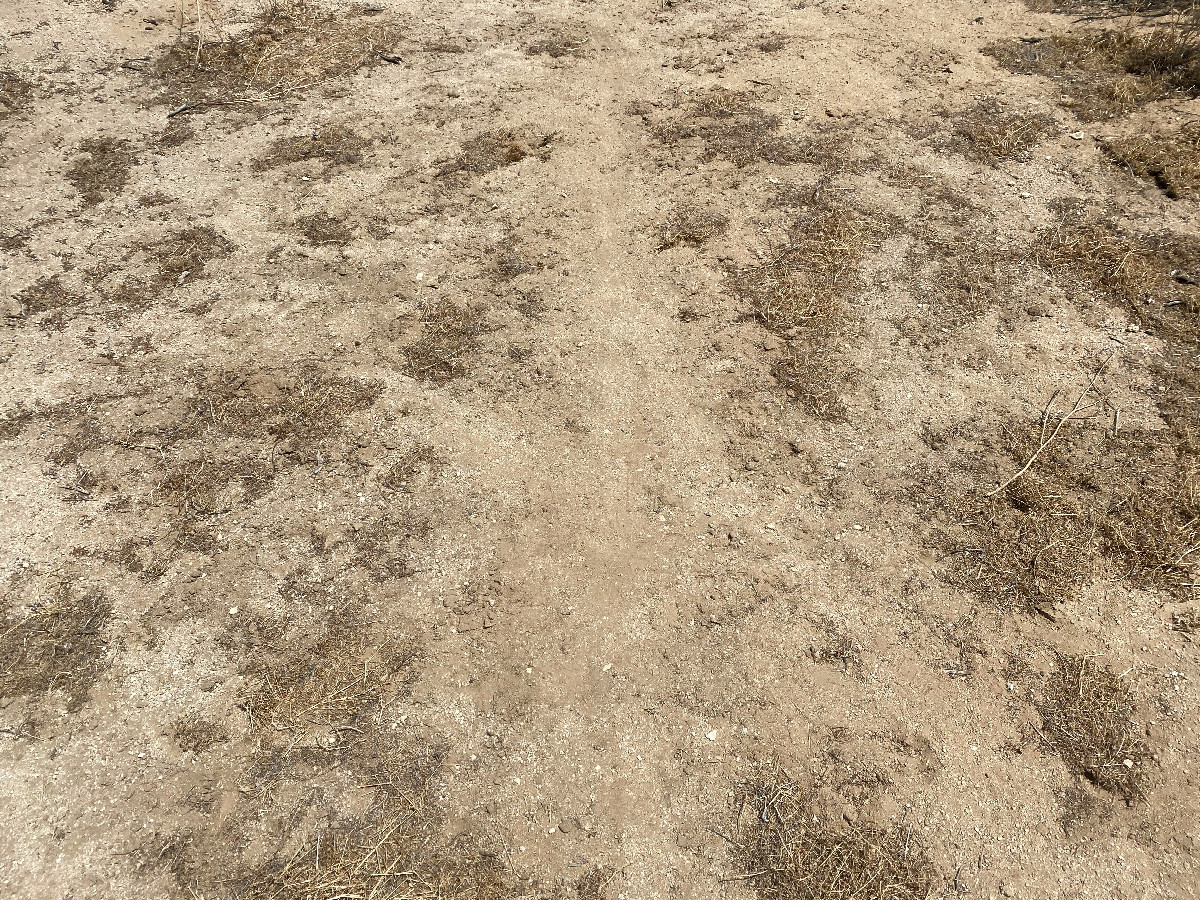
(547, 450)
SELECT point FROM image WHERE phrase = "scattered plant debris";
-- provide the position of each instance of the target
(15, 94)
(788, 850)
(449, 336)
(692, 225)
(493, 150)
(195, 734)
(290, 47)
(1171, 161)
(558, 44)
(1107, 73)
(1087, 718)
(730, 125)
(102, 169)
(332, 145)
(56, 644)
(322, 228)
(988, 133)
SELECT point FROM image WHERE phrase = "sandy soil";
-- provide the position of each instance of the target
(551, 449)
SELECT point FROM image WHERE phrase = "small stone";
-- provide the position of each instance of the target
(1039, 309)
(1078, 136)
(712, 735)
(233, 610)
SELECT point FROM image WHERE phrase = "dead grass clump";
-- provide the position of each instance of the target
(184, 253)
(1153, 276)
(1087, 718)
(415, 467)
(691, 225)
(15, 94)
(989, 134)
(731, 126)
(1132, 500)
(195, 734)
(57, 643)
(493, 150)
(558, 44)
(799, 294)
(801, 289)
(449, 338)
(1171, 161)
(1107, 73)
(290, 47)
(294, 410)
(332, 145)
(102, 169)
(206, 487)
(47, 294)
(789, 850)
(322, 228)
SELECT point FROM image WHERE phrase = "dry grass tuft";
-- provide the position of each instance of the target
(1132, 500)
(558, 44)
(102, 170)
(289, 48)
(300, 409)
(1171, 161)
(731, 126)
(322, 228)
(56, 644)
(334, 146)
(799, 294)
(1087, 718)
(801, 289)
(788, 850)
(47, 294)
(989, 134)
(691, 225)
(493, 150)
(1108, 73)
(195, 734)
(449, 338)
(184, 253)
(15, 94)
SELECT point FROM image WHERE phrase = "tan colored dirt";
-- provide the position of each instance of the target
(542, 449)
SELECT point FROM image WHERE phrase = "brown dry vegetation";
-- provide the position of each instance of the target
(449, 338)
(15, 94)
(1131, 500)
(496, 149)
(800, 294)
(731, 125)
(331, 145)
(1107, 73)
(1088, 719)
(290, 47)
(102, 169)
(789, 850)
(988, 133)
(57, 643)
(692, 225)
(1171, 161)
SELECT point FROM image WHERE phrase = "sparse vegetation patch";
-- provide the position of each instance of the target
(290, 47)
(1087, 718)
(56, 644)
(1107, 73)
(1171, 161)
(332, 145)
(789, 850)
(102, 169)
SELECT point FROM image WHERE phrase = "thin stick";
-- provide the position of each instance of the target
(1075, 410)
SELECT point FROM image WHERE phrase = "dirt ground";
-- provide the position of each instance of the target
(564, 449)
